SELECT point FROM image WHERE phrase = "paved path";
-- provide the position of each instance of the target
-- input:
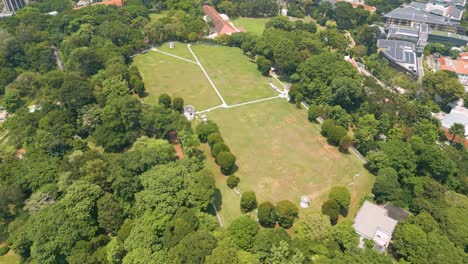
(254, 101)
(207, 76)
(57, 58)
(217, 215)
(175, 56)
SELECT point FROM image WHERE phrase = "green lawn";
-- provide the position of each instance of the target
(165, 74)
(236, 78)
(253, 25)
(158, 16)
(180, 49)
(9, 258)
(282, 156)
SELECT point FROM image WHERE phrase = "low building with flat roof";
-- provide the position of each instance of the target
(401, 54)
(373, 223)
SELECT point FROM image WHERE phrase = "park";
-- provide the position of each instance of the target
(280, 154)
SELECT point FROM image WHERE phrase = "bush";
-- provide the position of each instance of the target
(248, 202)
(298, 99)
(214, 138)
(335, 134)
(263, 65)
(232, 181)
(313, 113)
(266, 214)
(4, 250)
(139, 88)
(293, 91)
(341, 195)
(286, 212)
(178, 104)
(226, 161)
(326, 126)
(219, 147)
(205, 129)
(332, 209)
(346, 142)
(165, 100)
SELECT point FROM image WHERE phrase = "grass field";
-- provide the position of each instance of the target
(237, 78)
(165, 74)
(282, 156)
(9, 258)
(253, 25)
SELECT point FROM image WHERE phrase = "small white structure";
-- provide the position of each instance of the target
(3, 115)
(171, 44)
(34, 108)
(284, 12)
(189, 112)
(305, 201)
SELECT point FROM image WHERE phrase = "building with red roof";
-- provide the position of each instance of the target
(459, 66)
(371, 9)
(221, 25)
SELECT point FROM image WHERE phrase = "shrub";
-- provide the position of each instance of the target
(226, 161)
(286, 212)
(139, 88)
(332, 209)
(165, 100)
(326, 126)
(335, 134)
(346, 142)
(248, 202)
(266, 214)
(4, 250)
(293, 91)
(178, 104)
(341, 195)
(313, 113)
(298, 99)
(217, 148)
(205, 129)
(232, 181)
(214, 138)
(263, 65)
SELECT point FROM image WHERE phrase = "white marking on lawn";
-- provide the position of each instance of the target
(212, 108)
(217, 215)
(172, 55)
(207, 76)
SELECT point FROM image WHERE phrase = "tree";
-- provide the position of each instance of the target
(165, 100)
(110, 214)
(139, 87)
(326, 127)
(313, 227)
(263, 65)
(314, 112)
(266, 214)
(298, 99)
(12, 100)
(223, 254)
(205, 129)
(341, 195)
(332, 209)
(386, 187)
(248, 202)
(226, 161)
(218, 148)
(232, 181)
(242, 232)
(214, 138)
(457, 129)
(346, 142)
(201, 188)
(345, 235)
(178, 104)
(335, 134)
(282, 254)
(410, 241)
(286, 212)
(115, 251)
(266, 239)
(348, 92)
(193, 248)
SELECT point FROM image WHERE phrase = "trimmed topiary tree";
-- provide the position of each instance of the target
(165, 100)
(178, 104)
(332, 209)
(326, 126)
(214, 138)
(217, 148)
(313, 113)
(248, 202)
(335, 134)
(266, 214)
(226, 161)
(341, 195)
(204, 129)
(286, 212)
(232, 181)
(345, 143)
(139, 87)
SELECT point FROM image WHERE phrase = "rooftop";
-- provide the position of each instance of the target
(118, 3)
(460, 65)
(221, 25)
(413, 13)
(457, 115)
(373, 222)
(401, 52)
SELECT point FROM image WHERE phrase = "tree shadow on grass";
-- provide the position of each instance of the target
(217, 201)
(343, 211)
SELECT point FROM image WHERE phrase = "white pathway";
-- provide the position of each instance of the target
(175, 56)
(207, 76)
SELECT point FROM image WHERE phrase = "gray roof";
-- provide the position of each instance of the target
(371, 218)
(455, 117)
(399, 51)
(396, 212)
(412, 13)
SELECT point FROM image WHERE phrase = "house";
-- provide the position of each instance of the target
(401, 54)
(459, 66)
(458, 114)
(221, 23)
(372, 222)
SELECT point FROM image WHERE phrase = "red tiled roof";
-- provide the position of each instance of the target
(460, 65)
(366, 7)
(221, 26)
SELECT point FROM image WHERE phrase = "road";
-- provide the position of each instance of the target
(57, 58)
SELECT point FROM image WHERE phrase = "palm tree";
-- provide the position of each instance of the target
(457, 129)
